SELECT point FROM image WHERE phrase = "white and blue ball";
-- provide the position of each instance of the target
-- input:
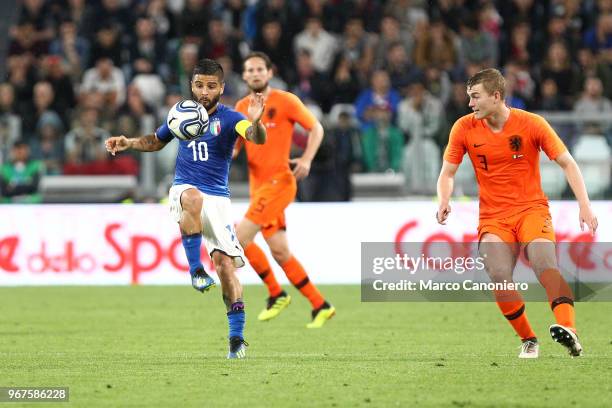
(187, 120)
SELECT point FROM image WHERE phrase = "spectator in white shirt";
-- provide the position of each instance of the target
(321, 45)
(105, 83)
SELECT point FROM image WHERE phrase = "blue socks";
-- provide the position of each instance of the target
(236, 319)
(192, 244)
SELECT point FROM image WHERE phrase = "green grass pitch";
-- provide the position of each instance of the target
(166, 346)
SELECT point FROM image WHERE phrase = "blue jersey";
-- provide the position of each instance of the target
(205, 162)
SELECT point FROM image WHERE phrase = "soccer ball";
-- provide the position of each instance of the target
(187, 120)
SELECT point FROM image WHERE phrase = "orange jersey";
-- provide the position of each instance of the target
(283, 110)
(507, 162)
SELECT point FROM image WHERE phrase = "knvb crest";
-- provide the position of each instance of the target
(215, 127)
(271, 113)
(515, 143)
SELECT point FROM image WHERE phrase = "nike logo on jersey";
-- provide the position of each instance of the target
(517, 156)
(478, 145)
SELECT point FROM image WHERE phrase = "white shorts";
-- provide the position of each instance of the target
(218, 231)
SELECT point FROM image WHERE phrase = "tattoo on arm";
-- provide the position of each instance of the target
(256, 133)
(148, 143)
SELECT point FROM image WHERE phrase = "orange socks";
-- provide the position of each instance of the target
(512, 306)
(560, 297)
(293, 269)
(259, 262)
(297, 276)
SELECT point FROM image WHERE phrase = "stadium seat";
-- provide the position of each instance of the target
(554, 182)
(334, 113)
(421, 166)
(592, 154)
(377, 184)
(465, 179)
(316, 111)
(87, 189)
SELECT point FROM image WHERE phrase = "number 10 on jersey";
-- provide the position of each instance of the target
(200, 150)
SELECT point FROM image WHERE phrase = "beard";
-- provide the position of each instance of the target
(259, 88)
(211, 103)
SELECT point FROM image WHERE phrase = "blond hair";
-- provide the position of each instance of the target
(491, 79)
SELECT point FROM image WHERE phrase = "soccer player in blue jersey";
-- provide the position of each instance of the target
(199, 196)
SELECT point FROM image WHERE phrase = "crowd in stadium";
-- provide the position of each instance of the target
(383, 76)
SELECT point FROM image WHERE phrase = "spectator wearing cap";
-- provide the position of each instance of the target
(380, 97)
(19, 177)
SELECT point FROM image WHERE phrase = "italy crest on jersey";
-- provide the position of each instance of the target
(215, 127)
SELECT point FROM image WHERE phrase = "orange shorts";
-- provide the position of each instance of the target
(523, 227)
(268, 203)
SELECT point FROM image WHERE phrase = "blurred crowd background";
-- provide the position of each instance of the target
(386, 78)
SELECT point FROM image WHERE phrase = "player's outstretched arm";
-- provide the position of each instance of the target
(148, 143)
(576, 182)
(446, 182)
